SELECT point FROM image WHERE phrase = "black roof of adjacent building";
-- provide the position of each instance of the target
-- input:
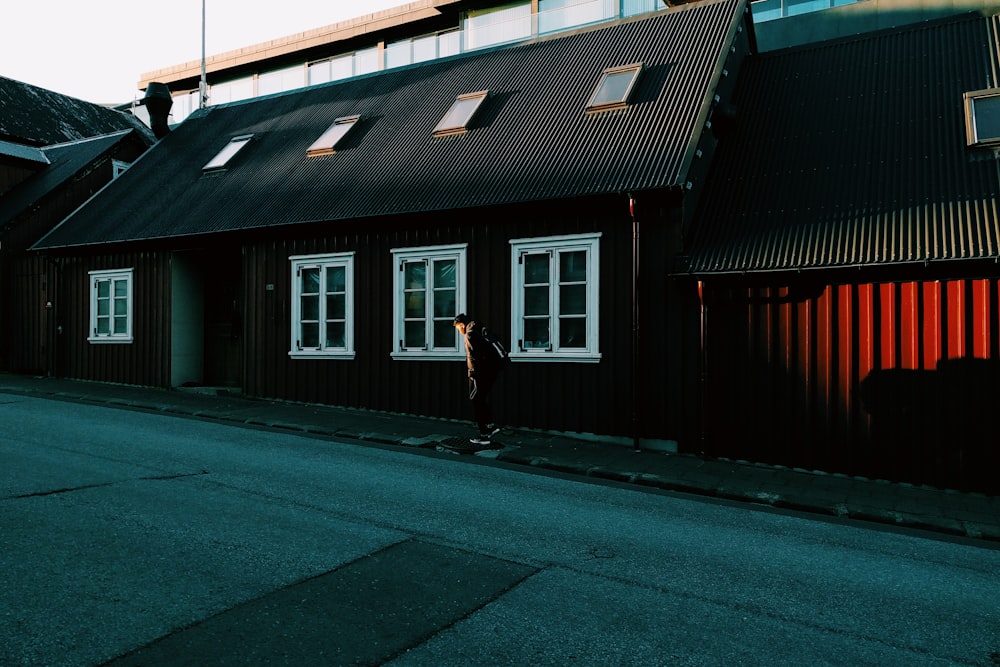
(853, 152)
(531, 140)
(63, 162)
(35, 116)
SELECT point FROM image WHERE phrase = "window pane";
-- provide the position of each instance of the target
(444, 273)
(449, 43)
(103, 289)
(986, 111)
(310, 281)
(397, 54)
(121, 307)
(614, 87)
(121, 288)
(766, 10)
(103, 307)
(310, 335)
(335, 334)
(341, 68)
(459, 114)
(573, 266)
(121, 325)
(319, 73)
(536, 300)
(415, 275)
(536, 334)
(444, 334)
(309, 307)
(366, 61)
(572, 332)
(336, 279)
(444, 303)
(336, 307)
(425, 48)
(573, 300)
(536, 269)
(416, 305)
(103, 325)
(414, 334)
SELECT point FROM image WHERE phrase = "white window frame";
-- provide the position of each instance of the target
(428, 255)
(343, 260)
(112, 277)
(554, 246)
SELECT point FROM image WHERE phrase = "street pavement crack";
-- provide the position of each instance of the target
(103, 485)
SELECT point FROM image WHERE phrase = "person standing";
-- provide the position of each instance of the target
(484, 362)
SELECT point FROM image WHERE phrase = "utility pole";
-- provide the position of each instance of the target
(203, 87)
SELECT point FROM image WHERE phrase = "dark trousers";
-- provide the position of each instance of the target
(479, 391)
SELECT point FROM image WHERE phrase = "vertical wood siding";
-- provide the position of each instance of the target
(145, 361)
(896, 380)
(575, 397)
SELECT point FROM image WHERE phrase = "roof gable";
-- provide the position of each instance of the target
(531, 139)
(853, 152)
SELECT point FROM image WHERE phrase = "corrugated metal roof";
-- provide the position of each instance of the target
(530, 141)
(63, 162)
(39, 117)
(853, 152)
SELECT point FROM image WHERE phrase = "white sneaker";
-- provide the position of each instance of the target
(481, 441)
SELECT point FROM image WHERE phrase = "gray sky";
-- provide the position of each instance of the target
(96, 50)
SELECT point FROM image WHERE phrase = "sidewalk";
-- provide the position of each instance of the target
(965, 514)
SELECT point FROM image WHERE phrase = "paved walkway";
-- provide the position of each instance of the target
(965, 514)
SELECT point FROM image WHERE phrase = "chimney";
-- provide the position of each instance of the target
(158, 102)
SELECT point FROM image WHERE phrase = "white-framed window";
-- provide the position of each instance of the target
(322, 306)
(111, 306)
(428, 291)
(554, 298)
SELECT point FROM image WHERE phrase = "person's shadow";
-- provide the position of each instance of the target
(937, 427)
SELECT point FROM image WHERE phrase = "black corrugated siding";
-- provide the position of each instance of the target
(853, 152)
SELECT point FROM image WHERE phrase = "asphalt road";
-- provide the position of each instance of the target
(141, 539)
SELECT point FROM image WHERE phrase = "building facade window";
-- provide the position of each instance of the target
(428, 291)
(982, 117)
(554, 298)
(322, 306)
(111, 306)
(497, 25)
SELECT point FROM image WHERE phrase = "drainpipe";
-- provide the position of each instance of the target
(636, 383)
(703, 365)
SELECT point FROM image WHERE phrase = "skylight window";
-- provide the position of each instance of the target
(327, 142)
(457, 120)
(614, 88)
(234, 146)
(982, 117)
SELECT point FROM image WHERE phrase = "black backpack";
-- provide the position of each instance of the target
(502, 357)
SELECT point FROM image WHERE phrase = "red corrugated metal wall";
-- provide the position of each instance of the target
(895, 380)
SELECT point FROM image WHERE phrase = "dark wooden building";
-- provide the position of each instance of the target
(55, 153)
(314, 246)
(846, 255)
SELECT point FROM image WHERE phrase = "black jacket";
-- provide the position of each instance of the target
(480, 356)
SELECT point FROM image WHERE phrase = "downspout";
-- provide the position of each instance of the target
(702, 366)
(636, 382)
